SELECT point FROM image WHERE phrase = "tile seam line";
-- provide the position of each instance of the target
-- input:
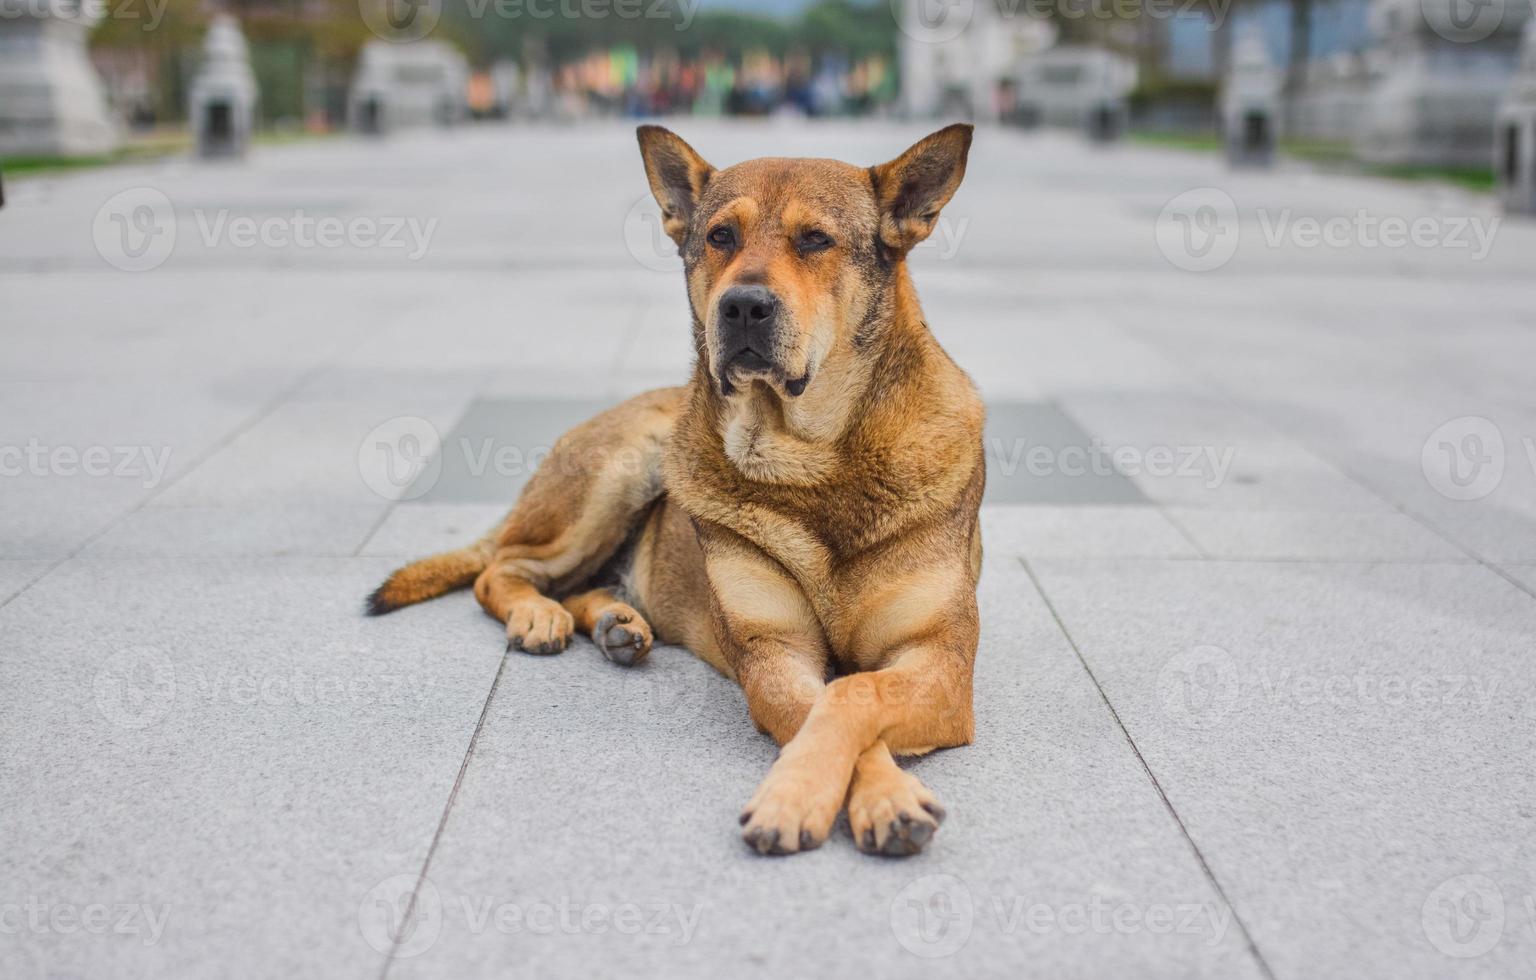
(1205, 866)
(442, 823)
(1184, 531)
(240, 429)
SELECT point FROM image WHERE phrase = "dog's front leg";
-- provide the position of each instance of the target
(920, 702)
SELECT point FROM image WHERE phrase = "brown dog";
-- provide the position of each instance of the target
(804, 509)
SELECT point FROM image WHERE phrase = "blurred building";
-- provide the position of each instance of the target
(51, 100)
(1440, 76)
(959, 66)
(401, 86)
(1062, 86)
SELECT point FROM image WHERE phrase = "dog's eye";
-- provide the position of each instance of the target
(722, 237)
(814, 241)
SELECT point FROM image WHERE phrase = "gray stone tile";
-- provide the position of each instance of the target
(230, 745)
(1525, 573)
(348, 448)
(300, 528)
(633, 803)
(1037, 455)
(1199, 450)
(51, 517)
(1341, 742)
(495, 447)
(16, 575)
(1081, 532)
(414, 529)
(1359, 536)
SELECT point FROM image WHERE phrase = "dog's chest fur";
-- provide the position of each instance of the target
(843, 518)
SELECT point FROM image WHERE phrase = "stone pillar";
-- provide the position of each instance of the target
(51, 100)
(1250, 105)
(1514, 142)
(222, 105)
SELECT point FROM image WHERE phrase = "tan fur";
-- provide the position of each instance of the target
(809, 528)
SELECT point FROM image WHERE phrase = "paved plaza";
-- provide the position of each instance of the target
(1255, 689)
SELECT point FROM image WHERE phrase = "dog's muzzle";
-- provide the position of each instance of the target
(748, 319)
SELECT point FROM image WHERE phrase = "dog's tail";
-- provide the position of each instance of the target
(430, 578)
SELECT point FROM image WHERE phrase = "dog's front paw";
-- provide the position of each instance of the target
(893, 814)
(792, 810)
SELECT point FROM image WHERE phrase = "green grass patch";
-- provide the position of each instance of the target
(1332, 154)
(138, 148)
(1470, 178)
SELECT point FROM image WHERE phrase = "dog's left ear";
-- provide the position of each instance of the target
(911, 189)
(677, 175)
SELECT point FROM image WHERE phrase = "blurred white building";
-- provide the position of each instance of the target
(1439, 71)
(1064, 86)
(51, 100)
(400, 86)
(959, 57)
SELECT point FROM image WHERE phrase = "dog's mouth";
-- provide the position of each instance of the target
(748, 365)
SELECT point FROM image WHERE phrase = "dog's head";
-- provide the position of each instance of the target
(789, 261)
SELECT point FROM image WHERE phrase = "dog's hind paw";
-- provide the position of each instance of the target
(622, 635)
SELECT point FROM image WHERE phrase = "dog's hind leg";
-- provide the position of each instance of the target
(597, 483)
(615, 626)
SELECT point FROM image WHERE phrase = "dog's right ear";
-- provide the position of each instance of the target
(677, 176)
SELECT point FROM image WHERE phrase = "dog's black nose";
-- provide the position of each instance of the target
(747, 314)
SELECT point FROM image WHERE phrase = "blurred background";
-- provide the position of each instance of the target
(1398, 85)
